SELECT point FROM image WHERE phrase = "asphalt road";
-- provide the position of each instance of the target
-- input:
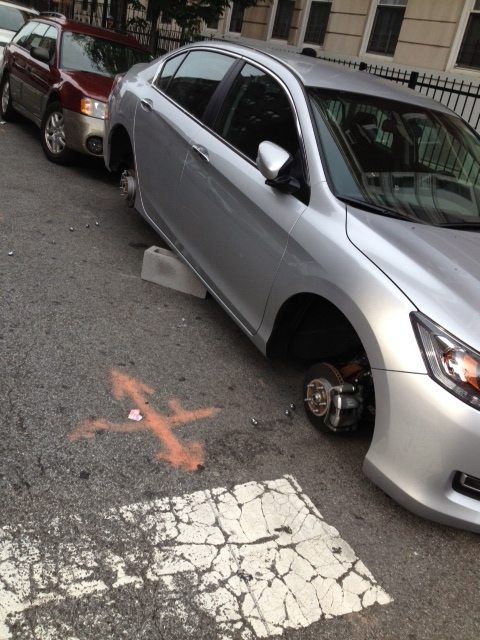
(77, 325)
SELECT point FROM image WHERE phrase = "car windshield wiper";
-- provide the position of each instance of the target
(383, 211)
(462, 226)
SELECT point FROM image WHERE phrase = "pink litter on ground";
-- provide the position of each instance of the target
(135, 415)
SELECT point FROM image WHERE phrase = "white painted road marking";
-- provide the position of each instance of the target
(261, 557)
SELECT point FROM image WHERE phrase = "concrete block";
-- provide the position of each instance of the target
(163, 267)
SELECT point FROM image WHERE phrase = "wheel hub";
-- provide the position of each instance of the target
(318, 396)
(128, 187)
(336, 402)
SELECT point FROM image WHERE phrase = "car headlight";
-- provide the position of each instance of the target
(94, 108)
(449, 361)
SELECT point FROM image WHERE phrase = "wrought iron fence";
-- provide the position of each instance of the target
(96, 12)
(159, 38)
(459, 95)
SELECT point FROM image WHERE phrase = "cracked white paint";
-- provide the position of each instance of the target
(259, 559)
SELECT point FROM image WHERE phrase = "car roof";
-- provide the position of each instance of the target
(96, 32)
(21, 7)
(313, 72)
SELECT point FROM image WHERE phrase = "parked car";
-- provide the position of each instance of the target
(12, 18)
(59, 73)
(335, 217)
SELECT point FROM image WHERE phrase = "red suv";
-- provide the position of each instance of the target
(59, 73)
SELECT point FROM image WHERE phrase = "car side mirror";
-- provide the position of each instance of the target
(40, 53)
(274, 163)
(270, 159)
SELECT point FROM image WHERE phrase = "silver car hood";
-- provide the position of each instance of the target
(437, 269)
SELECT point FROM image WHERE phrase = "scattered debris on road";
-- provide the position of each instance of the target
(135, 415)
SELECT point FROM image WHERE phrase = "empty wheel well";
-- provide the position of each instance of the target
(311, 328)
(121, 152)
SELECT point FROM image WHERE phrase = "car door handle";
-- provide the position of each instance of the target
(147, 105)
(201, 151)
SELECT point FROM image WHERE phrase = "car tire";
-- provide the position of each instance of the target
(54, 140)
(316, 408)
(7, 112)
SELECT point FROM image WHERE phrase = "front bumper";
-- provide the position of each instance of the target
(423, 436)
(79, 129)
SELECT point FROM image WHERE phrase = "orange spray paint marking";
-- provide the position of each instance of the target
(186, 456)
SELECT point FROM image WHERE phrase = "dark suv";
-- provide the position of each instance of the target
(59, 73)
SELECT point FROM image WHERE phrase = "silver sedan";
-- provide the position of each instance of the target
(335, 217)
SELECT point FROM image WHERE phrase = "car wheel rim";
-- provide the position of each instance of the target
(55, 133)
(5, 96)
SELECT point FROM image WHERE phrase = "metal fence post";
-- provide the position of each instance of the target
(413, 80)
(155, 42)
(363, 66)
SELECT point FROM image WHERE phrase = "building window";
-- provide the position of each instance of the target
(283, 19)
(469, 55)
(317, 22)
(386, 26)
(236, 18)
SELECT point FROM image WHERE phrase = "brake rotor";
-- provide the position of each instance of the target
(128, 187)
(318, 389)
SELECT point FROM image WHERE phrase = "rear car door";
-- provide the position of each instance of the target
(235, 227)
(167, 119)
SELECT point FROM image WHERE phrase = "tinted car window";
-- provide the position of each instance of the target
(257, 109)
(197, 78)
(168, 70)
(97, 55)
(12, 18)
(49, 40)
(23, 35)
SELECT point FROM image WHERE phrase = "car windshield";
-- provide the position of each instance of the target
(81, 52)
(12, 18)
(421, 163)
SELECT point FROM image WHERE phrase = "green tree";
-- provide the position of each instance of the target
(189, 14)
